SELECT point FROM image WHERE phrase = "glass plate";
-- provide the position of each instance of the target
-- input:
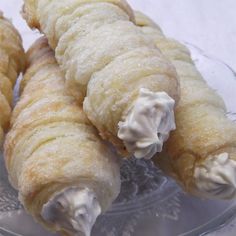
(149, 204)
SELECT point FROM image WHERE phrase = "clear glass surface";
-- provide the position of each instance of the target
(150, 203)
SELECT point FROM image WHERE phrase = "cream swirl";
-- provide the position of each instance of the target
(148, 123)
(216, 177)
(74, 210)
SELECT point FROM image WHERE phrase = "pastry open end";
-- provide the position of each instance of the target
(52, 147)
(201, 153)
(108, 61)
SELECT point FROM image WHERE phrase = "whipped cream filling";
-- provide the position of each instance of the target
(74, 209)
(148, 123)
(216, 177)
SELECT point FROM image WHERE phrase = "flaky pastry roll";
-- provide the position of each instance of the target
(66, 175)
(127, 87)
(201, 152)
(12, 61)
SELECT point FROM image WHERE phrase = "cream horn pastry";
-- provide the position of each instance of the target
(201, 152)
(66, 175)
(127, 87)
(12, 61)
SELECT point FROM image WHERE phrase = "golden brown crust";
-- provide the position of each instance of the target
(203, 128)
(90, 36)
(12, 61)
(29, 13)
(52, 145)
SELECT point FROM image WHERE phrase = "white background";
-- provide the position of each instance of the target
(208, 24)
